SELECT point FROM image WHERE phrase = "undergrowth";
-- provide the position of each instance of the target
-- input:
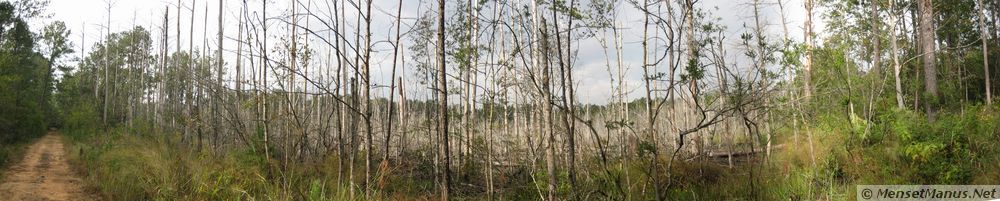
(824, 160)
(12, 153)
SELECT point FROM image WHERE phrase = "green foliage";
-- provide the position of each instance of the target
(10, 153)
(612, 124)
(119, 61)
(131, 167)
(645, 148)
(947, 150)
(848, 137)
(23, 75)
(858, 126)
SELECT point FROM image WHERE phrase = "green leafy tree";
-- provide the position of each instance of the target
(125, 55)
(20, 76)
(55, 39)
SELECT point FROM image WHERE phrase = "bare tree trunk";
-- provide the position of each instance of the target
(355, 91)
(549, 130)
(306, 123)
(442, 88)
(239, 59)
(392, 87)
(104, 110)
(623, 105)
(182, 92)
(927, 41)
(986, 57)
(218, 84)
(288, 112)
(238, 80)
(473, 80)
(368, 104)
(490, 138)
(895, 57)
(807, 77)
(876, 34)
(193, 79)
(202, 81)
(647, 78)
(264, 87)
(403, 115)
(341, 88)
(467, 96)
(160, 86)
(571, 99)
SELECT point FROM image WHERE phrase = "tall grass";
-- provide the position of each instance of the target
(124, 166)
(824, 160)
(961, 147)
(12, 153)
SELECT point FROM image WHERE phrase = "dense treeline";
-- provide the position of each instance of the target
(481, 99)
(28, 61)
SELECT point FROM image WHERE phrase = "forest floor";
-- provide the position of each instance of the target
(43, 174)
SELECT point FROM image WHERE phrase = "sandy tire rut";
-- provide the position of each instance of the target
(44, 174)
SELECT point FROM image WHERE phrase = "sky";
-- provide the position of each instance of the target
(87, 20)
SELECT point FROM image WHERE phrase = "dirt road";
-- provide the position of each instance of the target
(44, 174)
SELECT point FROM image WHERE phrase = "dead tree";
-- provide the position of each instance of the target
(927, 50)
(807, 67)
(442, 88)
(895, 57)
(986, 58)
(218, 83)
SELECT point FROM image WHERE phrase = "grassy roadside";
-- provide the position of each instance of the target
(962, 147)
(142, 167)
(12, 153)
(126, 166)
(824, 160)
